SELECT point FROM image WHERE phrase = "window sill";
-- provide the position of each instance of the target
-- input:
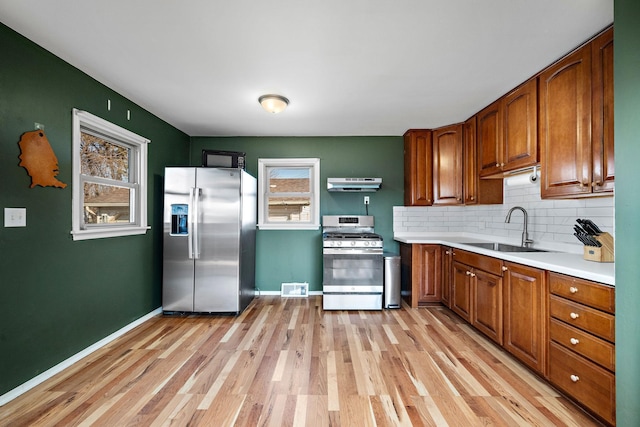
(102, 233)
(288, 226)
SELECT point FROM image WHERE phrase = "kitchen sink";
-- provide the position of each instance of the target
(503, 247)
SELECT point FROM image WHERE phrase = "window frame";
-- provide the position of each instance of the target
(314, 185)
(137, 181)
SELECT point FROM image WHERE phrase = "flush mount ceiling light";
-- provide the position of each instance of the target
(273, 103)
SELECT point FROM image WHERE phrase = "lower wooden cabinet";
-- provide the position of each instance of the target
(559, 326)
(476, 292)
(487, 304)
(445, 282)
(590, 385)
(524, 314)
(420, 273)
(461, 290)
(582, 343)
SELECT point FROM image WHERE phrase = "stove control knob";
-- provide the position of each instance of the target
(338, 243)
(353, 243)
(366, 243)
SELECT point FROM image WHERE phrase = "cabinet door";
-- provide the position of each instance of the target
(470, 162)
(487, 304)
(525, 314)
(427, 262)
(447, 165)
(461, 290)
(602, 112)
(476, 190)
(565, 126)
(418, 168)
(520, 142)
(447, 260)
(489, 134)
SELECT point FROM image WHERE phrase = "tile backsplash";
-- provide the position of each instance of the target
(550, 221)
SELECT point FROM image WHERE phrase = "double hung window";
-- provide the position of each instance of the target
(289, 196)
(109, 179)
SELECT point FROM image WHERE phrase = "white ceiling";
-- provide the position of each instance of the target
(349, 67)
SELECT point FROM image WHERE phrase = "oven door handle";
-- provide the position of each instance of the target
(355, 251)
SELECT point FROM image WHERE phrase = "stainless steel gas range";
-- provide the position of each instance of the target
(353, 263)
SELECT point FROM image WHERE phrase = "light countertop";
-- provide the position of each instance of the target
(568, 263)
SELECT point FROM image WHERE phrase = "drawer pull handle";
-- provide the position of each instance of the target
(575, 378)
(573, 289)
(574, 316)
(574, 341)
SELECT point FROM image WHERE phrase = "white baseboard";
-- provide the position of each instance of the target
(23, 388)
(277, 293)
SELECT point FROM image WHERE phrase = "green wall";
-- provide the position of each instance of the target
(627, 207)
(58, 296)
(296, 256)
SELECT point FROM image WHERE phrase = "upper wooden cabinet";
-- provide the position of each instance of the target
(507, 131)
(602, 112)
(520, 127)
(576, 122)
(489, 122)
(418, 168)
(476, 190)
(447, 165)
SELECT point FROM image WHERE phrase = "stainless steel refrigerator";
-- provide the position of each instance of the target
(209, 240)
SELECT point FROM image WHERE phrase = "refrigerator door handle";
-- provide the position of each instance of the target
(190, 222)
(196, 215)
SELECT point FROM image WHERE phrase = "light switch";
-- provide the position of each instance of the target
(15, 217)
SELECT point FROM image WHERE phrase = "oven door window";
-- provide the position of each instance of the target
(352, 269)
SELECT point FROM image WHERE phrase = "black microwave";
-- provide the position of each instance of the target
(223, 159)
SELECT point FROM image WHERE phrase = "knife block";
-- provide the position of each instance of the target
(603, 253)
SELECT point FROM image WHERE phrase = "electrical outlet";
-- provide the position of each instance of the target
(366, 200)
(15, 217)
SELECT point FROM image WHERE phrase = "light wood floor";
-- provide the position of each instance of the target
(287, 362)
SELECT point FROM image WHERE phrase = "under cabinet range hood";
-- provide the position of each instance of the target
(353, 184)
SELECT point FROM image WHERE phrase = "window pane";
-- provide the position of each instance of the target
(289, 180)
(101, 158)
(297, 209)
(106, 204)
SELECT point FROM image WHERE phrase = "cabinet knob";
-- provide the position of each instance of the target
(573, 289)
(505, 268)
(468, 273)
(497, 165)
(501, 165)
(471, 198)
(596, 184)
(447, 252)
(473, 274)
(585, 183)
(575, 378)
(574, 316)
(574, 341)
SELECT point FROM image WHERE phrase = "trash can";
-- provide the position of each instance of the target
(392, 280)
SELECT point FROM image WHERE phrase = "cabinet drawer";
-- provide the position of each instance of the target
(592, 294)
(599, 351)
(482, 262)
(591, 385)
(596, 322)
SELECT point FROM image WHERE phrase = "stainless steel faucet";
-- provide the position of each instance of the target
(526, 242)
